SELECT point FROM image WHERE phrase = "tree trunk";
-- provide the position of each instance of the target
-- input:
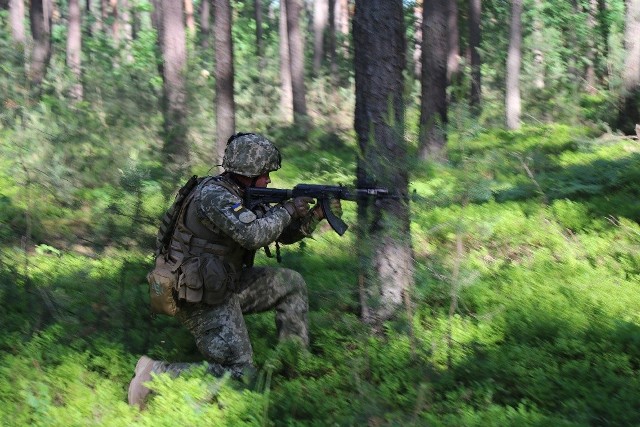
(476, 61)
(174, 54)
(320, 20)
(453, 42)
(188, 16)
(417, 42)
(296, 61)
(126, 30)
(115, 23)
(286, 98)
(16, 20)
(74, 48)
(512, 101)
(342, 24)
(538, 44)
(205, 24)
(630, 114)
(224, 100)
(433, 106)
(40, 17)
(384, 241)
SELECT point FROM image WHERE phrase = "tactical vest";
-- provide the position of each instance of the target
(192, 237)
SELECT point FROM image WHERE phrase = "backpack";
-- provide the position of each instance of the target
(164, 276)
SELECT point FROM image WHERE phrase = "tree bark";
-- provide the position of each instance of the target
(417, 50)
(433, 106)
(40, 17)
(538, 44)
(174, 54)
(475, 38)
(16, 20)
(189, 17)
(296, 61)
(205, 24)
(512, 101)
(384, 242)
(630, 114)
(320, 21)
(286, 98)
(74, 49)
(453, 42)
(224, 99)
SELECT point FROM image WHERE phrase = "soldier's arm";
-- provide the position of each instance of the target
(298, 229)
(227, 212)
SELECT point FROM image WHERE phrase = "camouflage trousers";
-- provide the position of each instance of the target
(220, 331)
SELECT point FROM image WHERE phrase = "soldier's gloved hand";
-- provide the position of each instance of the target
(335, 205)
(298, 207)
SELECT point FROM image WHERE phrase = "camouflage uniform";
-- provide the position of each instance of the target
(210, 259)
(216, 211)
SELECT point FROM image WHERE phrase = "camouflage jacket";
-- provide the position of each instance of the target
(217, 215)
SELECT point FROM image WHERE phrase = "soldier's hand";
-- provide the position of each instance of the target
(334, 205)
(298, 207)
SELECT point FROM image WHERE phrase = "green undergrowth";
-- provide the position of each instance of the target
(524, 309)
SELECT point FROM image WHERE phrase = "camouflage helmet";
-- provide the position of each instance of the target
(250, 154)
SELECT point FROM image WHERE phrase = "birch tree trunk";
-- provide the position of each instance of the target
(16, 21)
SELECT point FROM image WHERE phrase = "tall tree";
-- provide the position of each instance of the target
(296, 60)
(74, 48)
(16, 20)
(40, 17)
(189, 18)
(384, 239)
(433, 106)
(538, 45)
(224, 99)
(475, 38)
(320, 21)
(286, 97)
(629, 116)
(174, 62)
(514, 54)
(341, 15)
(205, 24)
(417, 42)
(453, 42)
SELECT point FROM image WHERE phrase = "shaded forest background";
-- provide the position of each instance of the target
(517, 127)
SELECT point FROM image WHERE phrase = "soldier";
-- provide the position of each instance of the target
(212, 250)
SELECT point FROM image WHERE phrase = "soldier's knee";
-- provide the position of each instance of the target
(296, 281)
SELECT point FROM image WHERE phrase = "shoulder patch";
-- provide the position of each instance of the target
(244, 215)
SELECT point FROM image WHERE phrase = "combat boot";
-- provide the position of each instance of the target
(137, 390)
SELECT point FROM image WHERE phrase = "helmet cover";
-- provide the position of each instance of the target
(250, 154)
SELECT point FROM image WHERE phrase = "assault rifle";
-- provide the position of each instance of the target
(323, 193)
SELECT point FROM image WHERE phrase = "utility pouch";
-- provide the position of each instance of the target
(206, 278)
(162, 282)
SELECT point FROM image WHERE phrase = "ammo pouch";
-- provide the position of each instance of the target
(162, 282)
(205, 278)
